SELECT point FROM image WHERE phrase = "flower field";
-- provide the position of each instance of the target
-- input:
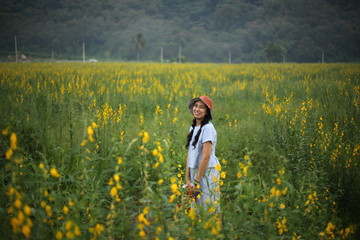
(96, 151)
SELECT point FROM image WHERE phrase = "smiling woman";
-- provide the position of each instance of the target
(201, 173)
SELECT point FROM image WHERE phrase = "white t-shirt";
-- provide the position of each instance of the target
(208, 134)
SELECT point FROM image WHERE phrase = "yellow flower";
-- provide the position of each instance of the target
(20, 216)
(111, 182)
(99, 227)
(17, 203)
(15, 223)
(172, 198)
(245, 170)
(71, 203)
(145, 137)
(83, 143)
(113, 191)
(174, 187)
(218, 167)
(54, 173)
(26, 231)
(215, 179)
(161, 158)
(9, 153)
(119, 160)
(29, 222)
(68, 225)
(90, 133)
(10, 210)
(5, 131)
(141, 218)
(146, 210)
(58, 235)
(211, 209)
(278, 181)
(155, 152)
(140, 226)
(214, 231)
(142, 233)
(69, 235)
(160, 181)
(94, 125)
(330, 227)
(77, 231)
(156, 165)
(13, 141)
(48, 210)
(158, 230)
(116, 177)
(11, 191)
(96, 230)
(65, 210)
(223, 175)
(27, 210)
(277, 193)
(282, 206)
(192, 214)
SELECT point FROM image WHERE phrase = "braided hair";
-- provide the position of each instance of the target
(205, 121)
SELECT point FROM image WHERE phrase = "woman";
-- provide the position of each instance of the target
(201, 160)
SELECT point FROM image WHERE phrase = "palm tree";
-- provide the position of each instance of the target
(139, 43)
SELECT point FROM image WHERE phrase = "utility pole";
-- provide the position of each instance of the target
(52, 54)
(83, 52)
(180, 54)
(323, 57)
(16, 54)
(161, 55)
(229, 57)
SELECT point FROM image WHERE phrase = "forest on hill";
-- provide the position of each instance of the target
(198, 31)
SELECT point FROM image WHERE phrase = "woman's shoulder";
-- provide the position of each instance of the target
(209, 125)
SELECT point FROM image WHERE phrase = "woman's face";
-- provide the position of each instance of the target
(199, 110)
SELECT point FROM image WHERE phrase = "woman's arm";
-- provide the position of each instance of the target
(206, 152)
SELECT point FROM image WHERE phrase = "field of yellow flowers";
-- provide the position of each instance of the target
(96, 151)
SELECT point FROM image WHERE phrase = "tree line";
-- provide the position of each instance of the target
(204, 30)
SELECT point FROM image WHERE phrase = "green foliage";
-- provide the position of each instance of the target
(207, 30)
(97, 150)
(275, 53)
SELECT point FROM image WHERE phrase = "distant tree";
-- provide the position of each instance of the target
(139, 43)
(275, 53)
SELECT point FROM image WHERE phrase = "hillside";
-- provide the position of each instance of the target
(206, 30)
